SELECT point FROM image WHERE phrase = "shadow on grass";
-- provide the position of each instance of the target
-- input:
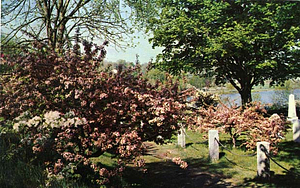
(289, 180)
(200, 173)
(290, 153)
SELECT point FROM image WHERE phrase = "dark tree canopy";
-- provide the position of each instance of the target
(243, 42)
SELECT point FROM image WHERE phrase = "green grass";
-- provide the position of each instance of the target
(230, 171)
(107, 160)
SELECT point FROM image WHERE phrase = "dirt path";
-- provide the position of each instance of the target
(165, 173)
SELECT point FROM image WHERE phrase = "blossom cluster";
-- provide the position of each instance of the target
(180, 162)
(251, 121)
(51, 119)
(88, 112)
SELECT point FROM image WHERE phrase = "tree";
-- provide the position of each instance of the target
(200, 82)
(11, 47)
(10, 51)
(55, 21)
(155, 75)
(243, 42)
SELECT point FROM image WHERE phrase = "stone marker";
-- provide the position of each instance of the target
(213, 145)
(263, 162)
(292, 107)
(181, 137)
(292, 117)
(296, 129)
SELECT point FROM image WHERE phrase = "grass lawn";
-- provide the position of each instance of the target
(230, 171)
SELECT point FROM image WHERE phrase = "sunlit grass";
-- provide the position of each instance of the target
(233, 168)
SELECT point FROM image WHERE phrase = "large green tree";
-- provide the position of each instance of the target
(56, 21)
(243, 42)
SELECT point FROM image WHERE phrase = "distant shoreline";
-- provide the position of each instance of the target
(221, 91)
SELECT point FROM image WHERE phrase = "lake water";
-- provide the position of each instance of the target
(266, 97)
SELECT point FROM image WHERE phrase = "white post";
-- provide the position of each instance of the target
(213, 145)
(181, 137)
(292, 107)
(263, 162)
(296, 129)
(292, 117)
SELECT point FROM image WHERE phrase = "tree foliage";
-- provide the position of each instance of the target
(55, 21)
(11, 47)
(110, 113)
(243, 42)
(200, 82)
(156, 75)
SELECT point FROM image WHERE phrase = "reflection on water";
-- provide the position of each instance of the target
(279, 97)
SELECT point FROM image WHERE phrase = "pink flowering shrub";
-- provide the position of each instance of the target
(180, 162)
(111, 113)
(250, 121)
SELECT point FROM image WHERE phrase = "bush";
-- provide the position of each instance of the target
(250, 121)
(16, 169)
(119, 112)
(201, 99)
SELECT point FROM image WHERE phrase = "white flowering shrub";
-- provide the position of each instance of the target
(50, 120)
(40, 137)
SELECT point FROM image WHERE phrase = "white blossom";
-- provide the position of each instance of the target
(51, 118)
(16, 126)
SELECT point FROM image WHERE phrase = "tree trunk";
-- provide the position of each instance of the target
(233, 136)
(246, 95)
(233, 141)
(244, 90)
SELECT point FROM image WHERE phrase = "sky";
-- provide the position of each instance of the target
(143, 49)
